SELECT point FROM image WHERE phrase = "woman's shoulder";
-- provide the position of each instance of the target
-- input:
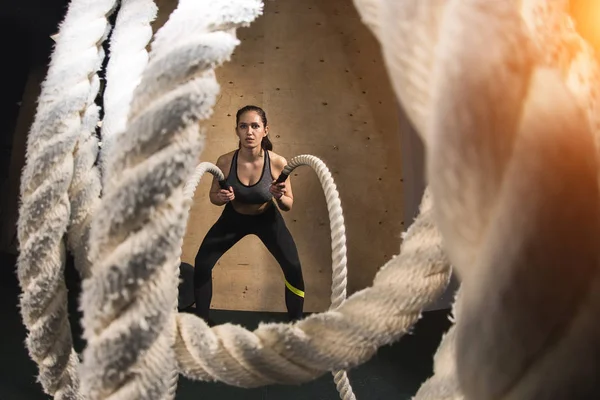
(224, 162)
(225, 158)
(277, 159)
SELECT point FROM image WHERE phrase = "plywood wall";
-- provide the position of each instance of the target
(318, 73)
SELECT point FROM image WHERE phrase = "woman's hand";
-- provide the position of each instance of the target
(277, 189)
(225, 196)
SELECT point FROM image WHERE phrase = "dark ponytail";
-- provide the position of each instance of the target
(265, 143)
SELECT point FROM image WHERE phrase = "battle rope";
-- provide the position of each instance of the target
(444, 382)
(129, 300)
(408, 31)
(334, 340)
(338, 235)
(124, 355)
(135, 289)
(518, 209)
(338, 247)
(504, 20)
(190, 186)
(146, 93)
(188, 192)
(64, 117)
(562, 48)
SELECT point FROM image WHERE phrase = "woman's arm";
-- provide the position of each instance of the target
(286, 201)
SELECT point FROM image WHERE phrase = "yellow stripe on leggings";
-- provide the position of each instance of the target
(297, 292)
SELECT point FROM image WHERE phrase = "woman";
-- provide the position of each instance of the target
(251, 171)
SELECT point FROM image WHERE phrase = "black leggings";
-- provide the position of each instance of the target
(227, 231)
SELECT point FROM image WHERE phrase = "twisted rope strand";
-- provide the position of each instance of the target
(128, 58)
(192, 183)
(86, 186)
(129, 301)
(408, 31)
(443, 385)
(188, 192)
(338, 249)
(561, 48)
(517, 209)
(336, 224)
(131, 334)
(458, 141)
(63, 116)
(334, 340)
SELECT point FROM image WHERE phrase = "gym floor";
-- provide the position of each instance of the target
(395, 372)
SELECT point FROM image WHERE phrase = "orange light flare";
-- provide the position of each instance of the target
(586, 15)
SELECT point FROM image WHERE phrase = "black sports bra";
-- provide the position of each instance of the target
(251, 194)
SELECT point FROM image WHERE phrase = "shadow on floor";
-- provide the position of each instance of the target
(395, 372)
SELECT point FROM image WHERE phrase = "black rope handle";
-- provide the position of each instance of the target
(282, 177)
(224, 184)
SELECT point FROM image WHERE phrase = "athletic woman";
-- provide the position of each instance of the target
(249, 202)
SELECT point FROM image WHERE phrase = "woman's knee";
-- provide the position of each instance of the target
(293, 275)
(203, 267)
(201, 276)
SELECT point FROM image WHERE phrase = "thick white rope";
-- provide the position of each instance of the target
(559, 46)
(338, 236)
(192, 183)
(518, 209)
(334, 340)
(64, 117)
(129, 300)
(338, 248)
(490, 22)
(188, 192)
(407, 31)
(511, 30)
(443, 385)
(128, 58)
(580, 74)
(86, 186)
(336, 224)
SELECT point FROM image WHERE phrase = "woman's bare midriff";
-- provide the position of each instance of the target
(250, 209)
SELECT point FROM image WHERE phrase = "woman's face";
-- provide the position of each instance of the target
(250, 129)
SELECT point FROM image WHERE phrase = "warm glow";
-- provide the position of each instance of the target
(586, 14)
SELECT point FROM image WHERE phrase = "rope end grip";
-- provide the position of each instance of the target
(223, 184)
(282, 177)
